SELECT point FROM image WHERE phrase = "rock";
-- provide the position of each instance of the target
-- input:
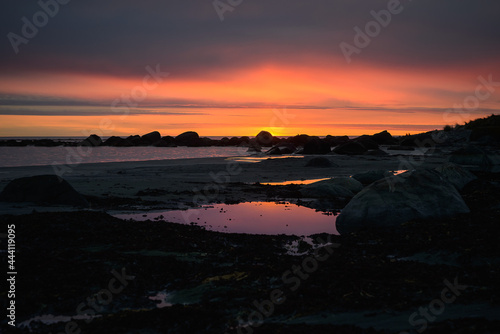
(376, 153)
(92, 140)
(419, 194)
(287, 148)
(317, 146)
(345, 187)
(320, 162)
(456, 175)
(383, 138)
(419, 140)
(487, 135)
(253, 146)
(367, 142)
(189, 138)
(113, 141)
(372, 176)
(336, 140)
(470, 156)
(42, 189)
(151, 138)
(264, 138)
(135, 140)
(274, 151)
(350, 148)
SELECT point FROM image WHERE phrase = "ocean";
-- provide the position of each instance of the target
(40, 156)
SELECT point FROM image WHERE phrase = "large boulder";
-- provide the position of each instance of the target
(418, 194)
(350, 148)
(264, 138)
(372, 176)
(113, 141)
(344, 187)
(486, 135)
(456, 175)
(92, 140)
(317, 146)
(383, 138)
(151, 138)
(189, 138)
(42, 189)
(470, 156)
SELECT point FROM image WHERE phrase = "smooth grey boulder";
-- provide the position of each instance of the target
(42, 189)
(344, 187)
(418, 194)
(456, 175)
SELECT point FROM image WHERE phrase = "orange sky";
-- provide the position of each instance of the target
(318, 100)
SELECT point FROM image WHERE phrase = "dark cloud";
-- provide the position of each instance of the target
(121, 37)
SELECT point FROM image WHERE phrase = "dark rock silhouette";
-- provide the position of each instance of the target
(42, 189)
(383, 138)
(343, 187)
(350, 148)
(113, 141)
(369, 177)
(189, 138)
(264, 138)
(151, 138)
(92, 140)
(456, 175)
(367, 142)
(317, 146)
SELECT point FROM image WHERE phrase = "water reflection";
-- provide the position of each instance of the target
(249, 217)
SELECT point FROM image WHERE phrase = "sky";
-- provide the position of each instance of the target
(235, 67)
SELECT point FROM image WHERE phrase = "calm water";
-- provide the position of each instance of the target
(39, 156)
(250, 217)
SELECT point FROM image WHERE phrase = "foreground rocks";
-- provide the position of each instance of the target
(42, 189)
(419, 194)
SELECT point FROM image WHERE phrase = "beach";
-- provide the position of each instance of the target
(189, 278)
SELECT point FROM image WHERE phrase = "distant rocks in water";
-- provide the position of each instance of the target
(383, 138)
(456, 175)
(337, 140)
(369, 177)
(350, 148)
(189, 138)
(42, 189)
(150, 138)
(343, 187)
(285, 148)
(92, 140)
(418, 194)
(264, 138)
(112, 141)
(317, 146)
(166, 141)
(320, 162)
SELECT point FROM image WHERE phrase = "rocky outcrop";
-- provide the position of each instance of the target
(418, 194)
(456, 175)
(189, 138)
(92, 140)
(343, 187)
(317, 146)
(151, 138)
(350, 148)
(264, 138)
(372, 176)
(383, 138)
(320, 162)
(42, 189)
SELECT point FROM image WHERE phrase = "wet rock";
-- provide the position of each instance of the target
(317, 146)
(189, 138)
(376, 153)
(92, 140)
(274, 151)
(264, 138)
(151, 138)
(350, 148)
(345, 187)
(456, 175)
(418, 194)
(42, 189)
(372, 176)
(320, 162)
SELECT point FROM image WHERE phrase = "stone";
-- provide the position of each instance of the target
(418, 194)
(456, 175)
(42, 189)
